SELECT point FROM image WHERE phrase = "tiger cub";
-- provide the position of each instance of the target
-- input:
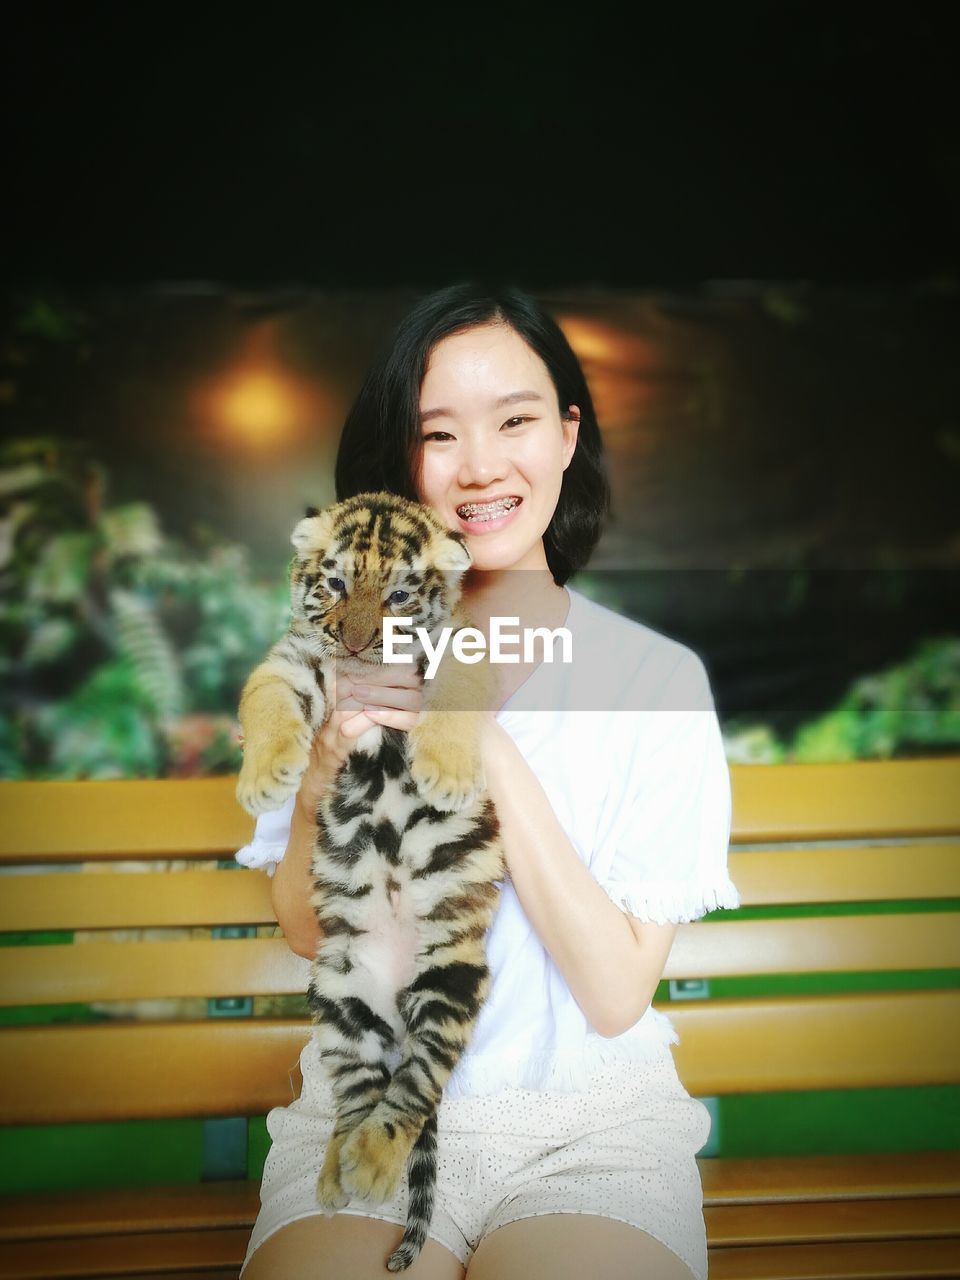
(408, 851)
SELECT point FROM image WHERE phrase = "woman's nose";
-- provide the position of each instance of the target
(482, 461)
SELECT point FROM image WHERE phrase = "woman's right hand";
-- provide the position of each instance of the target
(397, 689)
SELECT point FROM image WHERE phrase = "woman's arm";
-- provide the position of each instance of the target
(292, 886)
(612, 962)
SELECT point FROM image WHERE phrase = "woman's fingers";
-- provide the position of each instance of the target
(354, 725)
(392, 718)
(388, 696)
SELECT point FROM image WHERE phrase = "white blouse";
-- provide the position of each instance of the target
(626, 744)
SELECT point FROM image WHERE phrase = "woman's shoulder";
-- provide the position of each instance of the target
(631, 665)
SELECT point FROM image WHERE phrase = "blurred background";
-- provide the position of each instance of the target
(745, 219)
(784, 458)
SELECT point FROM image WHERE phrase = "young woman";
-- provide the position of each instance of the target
(566, 1142)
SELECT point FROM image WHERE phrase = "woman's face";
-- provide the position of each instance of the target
(491, 429)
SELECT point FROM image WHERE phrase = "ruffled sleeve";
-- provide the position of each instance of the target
(670, 855)
(270, 837)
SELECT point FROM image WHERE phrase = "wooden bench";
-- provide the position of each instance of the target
(805, 838)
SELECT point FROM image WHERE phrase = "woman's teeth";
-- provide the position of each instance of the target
(485, 511)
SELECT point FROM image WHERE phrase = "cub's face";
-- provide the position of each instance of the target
(369, 557)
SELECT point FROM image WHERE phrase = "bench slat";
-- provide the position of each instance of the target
(97, 971)
(200, 817)
(102, 1256)
(818, 1042)
(137, 1071)
(856, 800)
(878, 1175)
(243, 1067)
(907, 941)
(126, 1210)
(767, 877)
(883, 1260)
(165, 899)
(134, 900)
(811, 1222)
(59, 821)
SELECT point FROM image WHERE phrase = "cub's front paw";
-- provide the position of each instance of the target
(270, 774)
(446, 770)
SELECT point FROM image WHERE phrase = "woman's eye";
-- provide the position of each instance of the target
(515, 422)
(433, 435)
(398, 597)
(336, 584)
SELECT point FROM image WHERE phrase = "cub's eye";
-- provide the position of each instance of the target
(337, 584)
(398, 597)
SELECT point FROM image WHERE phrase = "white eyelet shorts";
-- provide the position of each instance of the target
(625, 1149)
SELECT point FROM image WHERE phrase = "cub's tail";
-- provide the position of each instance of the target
(422, 1180)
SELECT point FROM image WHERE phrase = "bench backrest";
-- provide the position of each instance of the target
(820, 853)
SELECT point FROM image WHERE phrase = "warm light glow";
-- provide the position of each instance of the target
(258, 403)
(589, 340)
(621, 367)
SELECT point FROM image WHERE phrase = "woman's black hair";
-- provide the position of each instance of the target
(381, 436)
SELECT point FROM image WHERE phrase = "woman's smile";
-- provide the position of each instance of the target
(480, 517)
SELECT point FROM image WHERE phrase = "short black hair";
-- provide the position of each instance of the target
(381, 436)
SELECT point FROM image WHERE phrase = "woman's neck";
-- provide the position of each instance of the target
(531, 595)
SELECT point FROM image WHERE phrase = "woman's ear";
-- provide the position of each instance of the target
(570, 423)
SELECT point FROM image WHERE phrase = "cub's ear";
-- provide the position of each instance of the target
(453, 554)
(310, 534)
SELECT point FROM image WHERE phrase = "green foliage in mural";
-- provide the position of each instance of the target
(909, 709)
(124, 651)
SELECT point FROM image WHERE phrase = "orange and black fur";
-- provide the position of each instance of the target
(408, 854)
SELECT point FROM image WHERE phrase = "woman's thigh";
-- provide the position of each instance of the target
(344, 1247)
(567, 1246)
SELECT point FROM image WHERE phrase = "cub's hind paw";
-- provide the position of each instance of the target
(447, 772)
(372, 1161)
(268, 778)
(330, 1194)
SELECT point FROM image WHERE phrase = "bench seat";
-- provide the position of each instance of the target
(843, 870)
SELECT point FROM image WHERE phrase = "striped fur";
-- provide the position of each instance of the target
(408, 845)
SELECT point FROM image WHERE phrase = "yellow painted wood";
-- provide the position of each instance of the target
(802, 1216)
(877, 1175)
(816, 944)
(64, 900)
(867, 1040)
(88, 1212)
(99, 1257)
(863, 799)
(840, 1260)
(86, 972)
(878, 873)
(183, 818)
(811, 1222)
(226, 1068)
(123, 1071)
(200, 817)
